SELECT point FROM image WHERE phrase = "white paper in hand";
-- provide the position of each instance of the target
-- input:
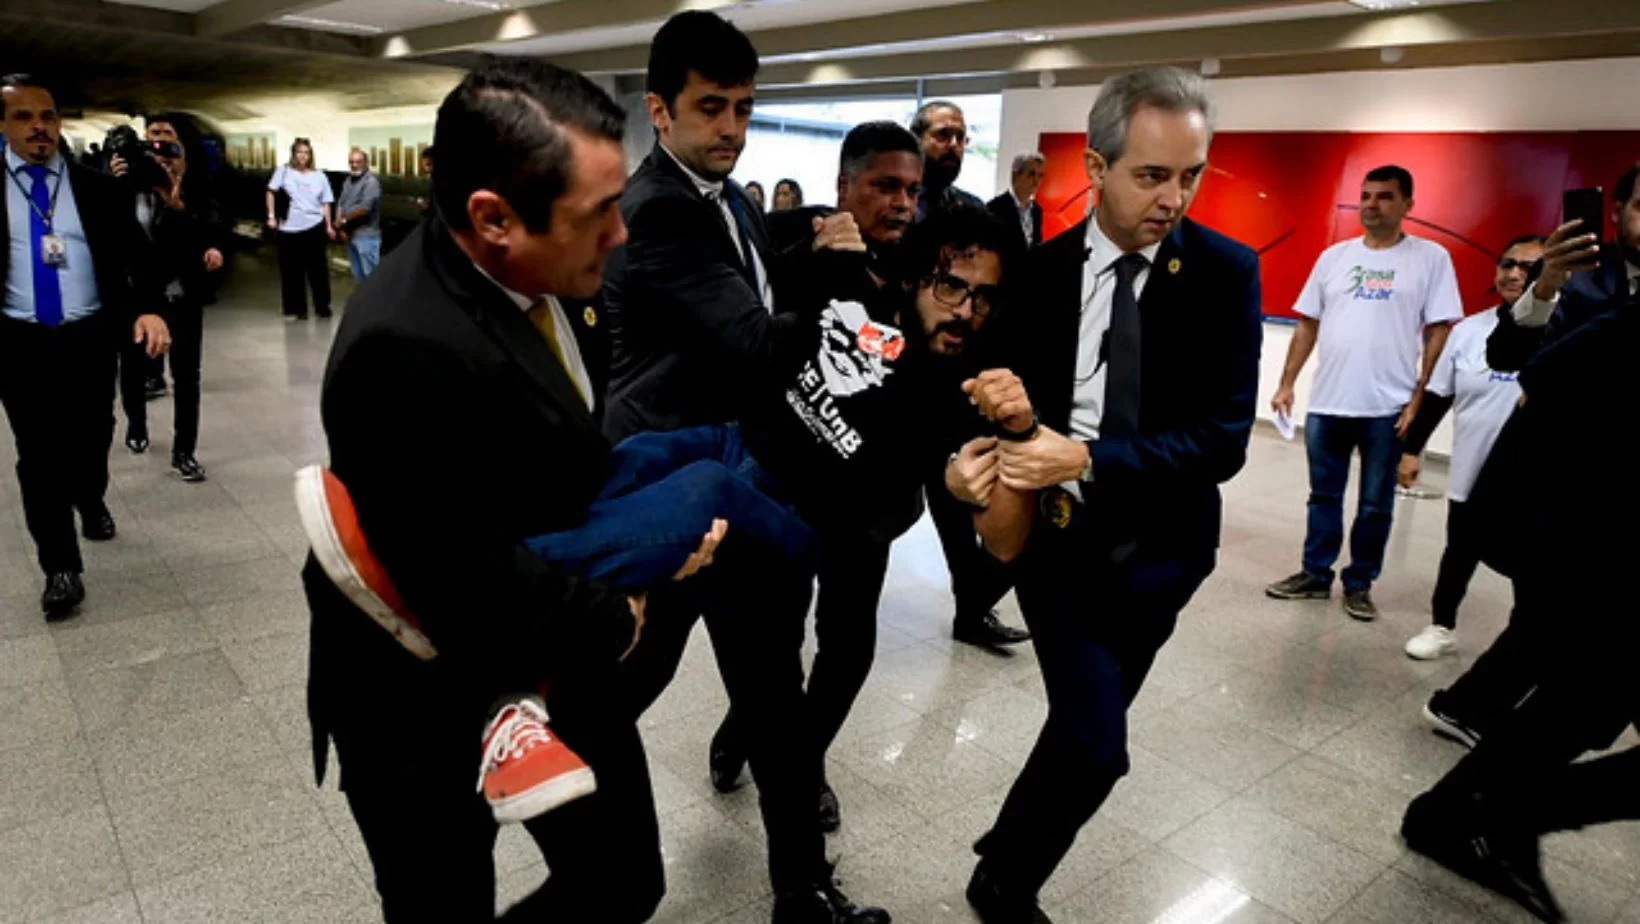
(1285, 425)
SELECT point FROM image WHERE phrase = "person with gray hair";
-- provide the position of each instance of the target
(1018, 206)
(360, 211)
(1127, 401)
(942, 130)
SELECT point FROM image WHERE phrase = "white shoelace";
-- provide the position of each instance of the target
(523, 728)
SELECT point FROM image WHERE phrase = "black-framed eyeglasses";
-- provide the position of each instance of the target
(950, 135)
(1509, 264)
(952, 291)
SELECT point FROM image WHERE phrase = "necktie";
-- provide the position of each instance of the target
(1121, 417)
(736, 210)
(48, 289)
(541, 316)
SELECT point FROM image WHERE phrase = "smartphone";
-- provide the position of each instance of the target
(1586, 206)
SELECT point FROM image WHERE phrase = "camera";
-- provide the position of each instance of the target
(124, 142)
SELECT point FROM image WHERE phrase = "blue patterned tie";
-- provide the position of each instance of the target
(48, 290)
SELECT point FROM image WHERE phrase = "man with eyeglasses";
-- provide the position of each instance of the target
(978, 581)
(943, 132)
(1481, 399)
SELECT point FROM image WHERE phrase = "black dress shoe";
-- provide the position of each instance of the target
(153, 387)
(726, 761)
(1503, 858)
(987, 631)
(188, 467)
(831, 817)
(97, 525)
(136, 442)
(996, 904)
(64, 591)
(323, 312)
(823, 904)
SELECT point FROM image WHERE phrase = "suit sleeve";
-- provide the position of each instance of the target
(688, 286)
(1214, 448)
(143, 291)
(1511, 345)
(483, 598)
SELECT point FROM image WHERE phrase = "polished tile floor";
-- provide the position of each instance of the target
(153, 762)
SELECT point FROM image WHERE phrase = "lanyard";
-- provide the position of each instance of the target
(28, 196)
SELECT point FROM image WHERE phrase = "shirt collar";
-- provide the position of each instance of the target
(707, 188)
(524, 302)
(16, 164)
(1018, 204)
(1102, 253)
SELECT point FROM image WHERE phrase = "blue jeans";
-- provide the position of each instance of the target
(663, 491)
(364, 253)
(1331, 441)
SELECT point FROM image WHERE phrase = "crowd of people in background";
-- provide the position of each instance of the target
(691, 403)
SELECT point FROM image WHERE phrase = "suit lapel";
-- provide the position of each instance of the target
(1063, 326)
(729, 241)
(1165, 276)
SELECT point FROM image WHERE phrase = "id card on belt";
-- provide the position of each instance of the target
(53, 252)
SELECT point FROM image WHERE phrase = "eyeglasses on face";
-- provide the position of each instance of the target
(952, 291)
(950, 135)
(1509, 264)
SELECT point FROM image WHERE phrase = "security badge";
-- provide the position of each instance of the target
(1056, 508)
(53, 252)
(1174, 265)
(590, 317)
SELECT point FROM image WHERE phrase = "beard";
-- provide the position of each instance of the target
(941, 172)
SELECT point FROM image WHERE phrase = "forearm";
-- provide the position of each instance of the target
(1431, 411)
(1299, 350)
(272, 213)
(1434, 342)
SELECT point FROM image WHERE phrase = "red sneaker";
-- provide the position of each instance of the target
(332, 528)
(527, 770)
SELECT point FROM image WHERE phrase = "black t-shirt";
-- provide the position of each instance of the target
(852, 437)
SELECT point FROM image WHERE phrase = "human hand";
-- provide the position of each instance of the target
(1044, 460)
(636, 604)
(972, 475)
(1282, 403)
(117, 165)
(330, 231)
(703, 555)
(1569, 250)
(1411, 467)
(1000, 396)
(1404, 422)
(273, 223)
(213, 260)
(151, 329)
(838, 231)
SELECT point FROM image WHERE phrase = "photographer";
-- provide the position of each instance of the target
(180, 216)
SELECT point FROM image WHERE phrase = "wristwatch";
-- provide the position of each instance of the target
(1026, 435)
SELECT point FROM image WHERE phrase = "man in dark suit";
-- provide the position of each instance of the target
(1018, 208)
(1137, 375)
(942, 130)
(697, 338)
(75, 248)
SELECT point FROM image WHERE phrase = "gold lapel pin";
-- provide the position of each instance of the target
(1174, 265)
(590, 317)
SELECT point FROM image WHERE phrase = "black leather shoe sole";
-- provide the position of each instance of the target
(993, 636)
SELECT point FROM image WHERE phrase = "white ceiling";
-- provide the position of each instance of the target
(180, 6)
(394, 15)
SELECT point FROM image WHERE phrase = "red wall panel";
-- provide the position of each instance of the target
(1289, 195)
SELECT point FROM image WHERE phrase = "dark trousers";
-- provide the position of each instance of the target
(663, 492)
(57, 385)
(852, 569)
(1465, 540)
(186, 319)
(302, 259)
(1097, 627)
(978, 581)
(1331, 442)
(1512, 666)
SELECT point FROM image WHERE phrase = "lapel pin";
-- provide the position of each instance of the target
(1174, 265)
(590, 317)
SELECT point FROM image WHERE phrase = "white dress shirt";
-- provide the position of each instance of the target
(1531, 311)
(1025, 222)
(567, 347)
(714, 193)
(1098, 294)
(78, 278)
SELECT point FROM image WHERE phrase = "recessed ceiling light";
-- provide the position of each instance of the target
(1381, 5)
(481, 4)
(328, 25)
(1035, 38)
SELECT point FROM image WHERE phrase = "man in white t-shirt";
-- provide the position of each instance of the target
(1368, 303)
(1481, 399)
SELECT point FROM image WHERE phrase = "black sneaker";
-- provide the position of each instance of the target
(1358, 604)
(1447, 724)
(153, 387)
(1300, 586)
(188, 467)
(136, 441)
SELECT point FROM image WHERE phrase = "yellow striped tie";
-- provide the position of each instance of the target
(542, 317)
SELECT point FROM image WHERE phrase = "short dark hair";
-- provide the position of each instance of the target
(1624, 190)
(702, 42)
(927, 245)
(924, 117)
(19, 81)
(868, 139)
(754, 185)
(506, 129)
(1391, 173)
(1523, 239)
(796, 188)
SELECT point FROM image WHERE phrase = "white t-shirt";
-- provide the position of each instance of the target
(1482, 399)
(309, 193)
(1373, 306)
